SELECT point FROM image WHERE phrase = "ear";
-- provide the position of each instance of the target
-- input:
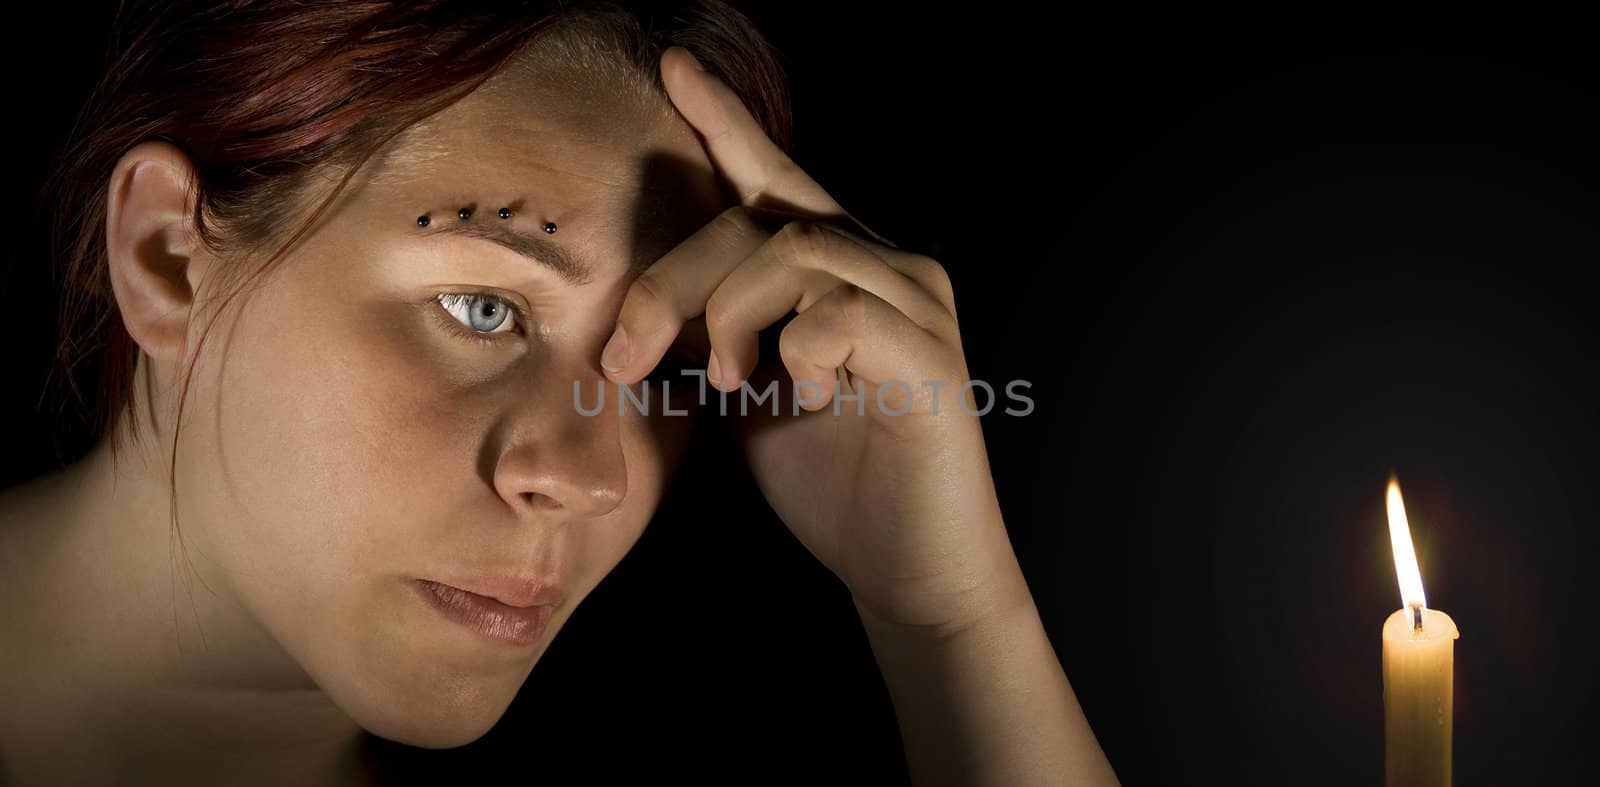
(156, 258)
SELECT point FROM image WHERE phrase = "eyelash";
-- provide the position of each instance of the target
(482, 338)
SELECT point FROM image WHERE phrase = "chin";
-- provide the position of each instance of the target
(432, 730)
(443, 718)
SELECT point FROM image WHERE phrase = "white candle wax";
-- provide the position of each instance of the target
(1418, 669)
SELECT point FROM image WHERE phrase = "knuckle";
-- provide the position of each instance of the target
(932, 275)
(736, 222)
(793, 343)
(787, 340)
(651, 296)
(800, 242)
(720, 317)
(851, 304)
(937, 274)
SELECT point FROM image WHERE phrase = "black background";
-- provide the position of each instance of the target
(1250, 271)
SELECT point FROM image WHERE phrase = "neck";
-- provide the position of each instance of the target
(133, 649)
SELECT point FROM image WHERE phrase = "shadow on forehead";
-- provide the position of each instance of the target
(581, 68)
(677, 196)
(588, 70)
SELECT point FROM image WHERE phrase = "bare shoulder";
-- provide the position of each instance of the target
(18, 520)
(15, 519)
(29, 514)
(22, 506)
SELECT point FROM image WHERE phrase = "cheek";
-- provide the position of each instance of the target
(328, 437)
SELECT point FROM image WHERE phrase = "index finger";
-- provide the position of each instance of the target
(762, 174)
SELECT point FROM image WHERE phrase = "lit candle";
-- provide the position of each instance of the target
(1418, 665)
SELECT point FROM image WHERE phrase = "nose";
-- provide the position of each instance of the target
(557, 462)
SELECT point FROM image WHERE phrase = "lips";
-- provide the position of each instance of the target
(490, 617)
(508, 590)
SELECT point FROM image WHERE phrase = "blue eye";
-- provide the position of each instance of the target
(477, 316)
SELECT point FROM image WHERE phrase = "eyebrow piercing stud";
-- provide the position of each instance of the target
(466, 213)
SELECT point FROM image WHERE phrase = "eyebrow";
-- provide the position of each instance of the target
(540, 250)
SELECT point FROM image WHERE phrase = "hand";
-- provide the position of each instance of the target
(901, 506)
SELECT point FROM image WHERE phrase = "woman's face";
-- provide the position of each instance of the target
(346, 436)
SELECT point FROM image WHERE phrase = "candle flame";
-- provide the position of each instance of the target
(1405, 557)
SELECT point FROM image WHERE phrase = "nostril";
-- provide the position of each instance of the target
(540, 500)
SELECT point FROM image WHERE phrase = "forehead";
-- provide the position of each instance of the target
(604, 157)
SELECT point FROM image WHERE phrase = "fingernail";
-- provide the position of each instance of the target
(694, 60)
(615, 355)
(714, 370)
